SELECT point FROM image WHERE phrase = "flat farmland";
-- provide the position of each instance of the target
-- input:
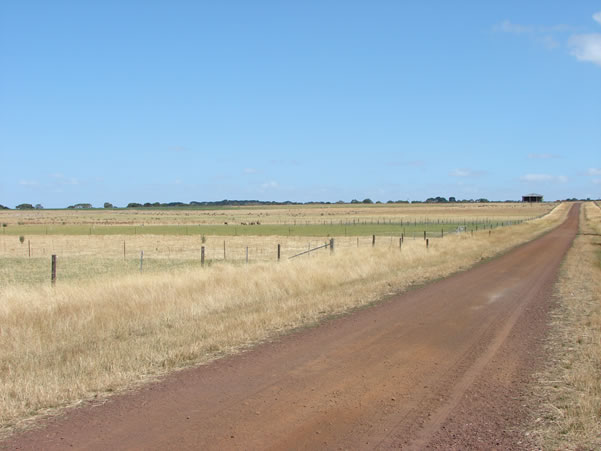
(96, 243)
(302, 220)
(108, 325)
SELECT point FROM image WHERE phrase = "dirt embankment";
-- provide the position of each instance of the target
(443, 366)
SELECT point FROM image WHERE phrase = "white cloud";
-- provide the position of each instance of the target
(597, 17)
(514, 28)
(413, 163)
(597, 181)
(460, 173)
(594, 171)
(466, 173)
(542, 156)
(586, 47)
(544, 178)
(549, 42)
(270, 185)
(177, 149)
(250, 171)
(60, 179)
(28, 183)
(507, 27)
(536, 177)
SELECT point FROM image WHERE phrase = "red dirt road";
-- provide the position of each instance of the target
(443, 366)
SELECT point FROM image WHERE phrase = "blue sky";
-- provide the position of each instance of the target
(143, 101)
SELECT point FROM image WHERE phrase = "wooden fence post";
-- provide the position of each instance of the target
(331, 245)
(400, 243)
(53, 270)
(123, 249)
(247, 254)
(141, 260)
(29, 247)
(202, 256)
(373, 240)
(442, 233)
(424, 234)
(427, 243)
(278, 252)
(224, 249)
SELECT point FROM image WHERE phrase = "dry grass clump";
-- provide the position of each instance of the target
(569, 389)
(90, 338)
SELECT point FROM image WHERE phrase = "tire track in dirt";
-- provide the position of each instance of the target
(442, 366)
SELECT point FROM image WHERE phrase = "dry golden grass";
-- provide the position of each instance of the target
(283, 214)
(569, 389)
(87, 338)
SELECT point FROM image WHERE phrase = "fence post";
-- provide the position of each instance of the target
(53, 270)
(29, 247)
(442, 233)
(224, 249)
(373, 240)
(202, 256)
(424, 234)
(141, 260)
(331, 245)
(247, 254)
(427, 243)
(278, 252)
(400, 243)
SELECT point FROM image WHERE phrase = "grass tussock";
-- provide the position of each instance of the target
(569, 389)
(88, 338)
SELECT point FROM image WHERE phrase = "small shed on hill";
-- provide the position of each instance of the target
(532, 198)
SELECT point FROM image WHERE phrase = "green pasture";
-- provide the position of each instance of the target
(309, 230)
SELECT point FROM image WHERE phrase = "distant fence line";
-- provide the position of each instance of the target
(354, 227)
(207, 255)
(223, 250)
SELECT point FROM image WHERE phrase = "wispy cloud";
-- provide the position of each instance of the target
(544, 178)
(177, 149)
(507, 27)
(411, 163)
(60, 179)
(587, 47)
(466, 173)
(593, 171)
(514, 28)
(584, 47)
(250, 170)
(28, 183)
(285, 162)
(543, 35)
(270, 185)
(549, 42)
(542, 156)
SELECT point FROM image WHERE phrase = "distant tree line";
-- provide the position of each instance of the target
(220, 203)
(242, 203)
